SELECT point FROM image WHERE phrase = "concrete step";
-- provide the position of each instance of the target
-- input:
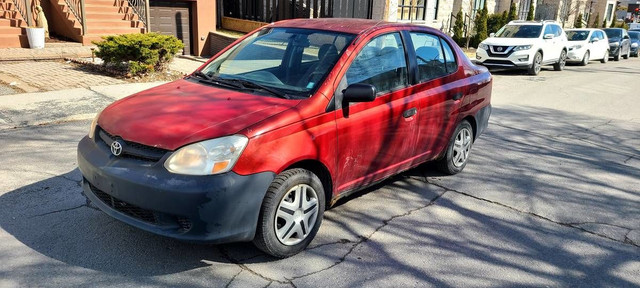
(111, 15)
(112, 31)
(101, 8)
(9, 14)
(86, 39)
(119, 23)
(13, 22)
(8, 30)
(7, 6)
(13, 41)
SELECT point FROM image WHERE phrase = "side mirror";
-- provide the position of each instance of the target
(626, 37)
(492, 34)
(359, 92)
(548, 36)
(595, 40)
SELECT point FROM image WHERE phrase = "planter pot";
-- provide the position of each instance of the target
(36, 37)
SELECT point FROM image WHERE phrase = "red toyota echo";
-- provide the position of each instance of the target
(255, 144)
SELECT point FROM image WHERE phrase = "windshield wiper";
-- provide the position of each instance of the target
(250, 84)
(217, 80)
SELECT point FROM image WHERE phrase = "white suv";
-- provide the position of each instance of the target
(525, 45)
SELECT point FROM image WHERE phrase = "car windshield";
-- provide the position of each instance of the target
(286, 61)
(519, 31)
(577, 35)
(634, 35)
(613, 33)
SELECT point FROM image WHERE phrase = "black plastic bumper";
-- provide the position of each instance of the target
(482, 119)
(214, 209)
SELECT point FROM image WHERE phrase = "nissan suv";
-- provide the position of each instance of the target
(525, 45)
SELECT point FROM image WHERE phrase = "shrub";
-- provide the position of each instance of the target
(138, 53)
(578, 22)
(494, 23)
(531, 15)
(513, 13)
(596, 21)
(458, 29)
(481, 26)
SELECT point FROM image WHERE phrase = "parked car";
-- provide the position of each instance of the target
(296, 115)
(619, 43)
(525, 45)
(635, 41)
(587, 44)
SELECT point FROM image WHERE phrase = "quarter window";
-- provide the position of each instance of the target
(380, 63)
(450, 60)
(430, 57)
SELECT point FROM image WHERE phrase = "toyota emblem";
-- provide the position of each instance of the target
(116, 148)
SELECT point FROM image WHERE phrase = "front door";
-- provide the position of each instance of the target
(376, 139)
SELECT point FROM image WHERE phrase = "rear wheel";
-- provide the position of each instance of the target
(585, 59)
(535, 67)
(291, 213)
(605, 59)
(559, 66)
(457, 153)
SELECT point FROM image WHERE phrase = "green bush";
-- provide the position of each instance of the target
(138, 53)
(458, 29)
(513, 12)
(494, 23)
(531, 14)
(481, 26)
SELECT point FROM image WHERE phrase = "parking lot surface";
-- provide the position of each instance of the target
(550, 197)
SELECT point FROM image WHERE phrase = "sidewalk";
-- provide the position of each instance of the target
(43, 108)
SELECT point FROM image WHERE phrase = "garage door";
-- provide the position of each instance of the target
(172, 18)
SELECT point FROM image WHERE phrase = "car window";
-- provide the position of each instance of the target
(557, 30)
(450, 60)
(380, 63)
(600, 35)
(548, 30)
(430, 57)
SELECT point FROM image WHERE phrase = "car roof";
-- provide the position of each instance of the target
(343, 25)
(582, 29)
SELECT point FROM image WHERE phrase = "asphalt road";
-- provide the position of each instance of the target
(550, 197)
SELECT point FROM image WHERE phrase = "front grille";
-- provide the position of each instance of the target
(124, 207)
(501, 54)
(504, 63)
(132, 149)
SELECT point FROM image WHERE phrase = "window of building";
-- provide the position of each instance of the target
(609, 12)
(524, 9)
(412, 10)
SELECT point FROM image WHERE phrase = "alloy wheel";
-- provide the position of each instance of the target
(537, 63)
(296, 214)
(461, 147)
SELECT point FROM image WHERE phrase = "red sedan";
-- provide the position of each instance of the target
(255, 144)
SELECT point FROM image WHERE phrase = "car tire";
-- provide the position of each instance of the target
(605, 59)
(457, 153)
(535, 67)
(585, 59)
(559, 66)
(294, 195)
(617, 57)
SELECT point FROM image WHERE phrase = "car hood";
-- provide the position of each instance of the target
(616, 39)
(509, 41)
(183, 112)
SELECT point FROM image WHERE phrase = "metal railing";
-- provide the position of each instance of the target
(141, 8)
(24, 8)
(77, 9)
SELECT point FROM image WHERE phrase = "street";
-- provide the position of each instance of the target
(550, 197)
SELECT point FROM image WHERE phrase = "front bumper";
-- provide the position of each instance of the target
(576, 55)
(214, 209)
(634, 51)
(613, 50)
(514, 60)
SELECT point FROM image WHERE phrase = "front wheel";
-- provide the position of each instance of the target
(626, 56)
(457, 153)
(291, 213)
(585, 59)
(605, 59)
(535, 67)
(559, 66)
(617, 57)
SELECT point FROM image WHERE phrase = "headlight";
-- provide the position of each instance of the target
(634, 45)
(522, 47)
(207, 157)
(94, 123)
(483, 46)
(576, 47)
(614, 44)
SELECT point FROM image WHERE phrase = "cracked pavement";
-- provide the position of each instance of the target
(550, 197)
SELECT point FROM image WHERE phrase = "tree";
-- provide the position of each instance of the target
(458, 28)
(494, 23)
(578, 22)
(530, 15)
(567, 9)
(604, 22)
(596, 21)
(513, 13)
(481, 26)
(505, 18)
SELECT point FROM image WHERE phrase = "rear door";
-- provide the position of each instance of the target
(376, 139)
(439, 92)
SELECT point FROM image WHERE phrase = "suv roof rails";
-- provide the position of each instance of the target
(532, 22)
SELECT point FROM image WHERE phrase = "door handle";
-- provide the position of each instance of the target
(410, 112)
(457, 96)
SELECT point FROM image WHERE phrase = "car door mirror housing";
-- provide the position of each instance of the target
(359, 92)
(595, 40)
(548, 36)
(626, 37)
